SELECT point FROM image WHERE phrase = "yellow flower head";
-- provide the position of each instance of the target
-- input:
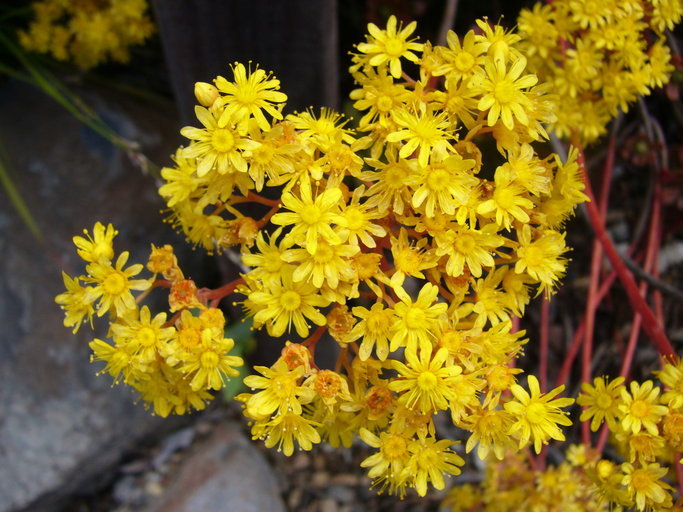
(537, 415)
(249, 95)
(390, 45)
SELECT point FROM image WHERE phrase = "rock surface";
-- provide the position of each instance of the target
(61, 424)
(224, 472)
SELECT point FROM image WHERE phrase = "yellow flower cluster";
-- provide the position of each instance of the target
(513, 484)
(87, 32)
(646, 427)
(599, 56)
(437, 244)
(171, 363)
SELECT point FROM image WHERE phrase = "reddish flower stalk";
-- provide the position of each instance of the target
(596, 262)
(544, 335)
(206, 294)
(650, 324)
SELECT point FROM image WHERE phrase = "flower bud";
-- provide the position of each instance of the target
(206, 93)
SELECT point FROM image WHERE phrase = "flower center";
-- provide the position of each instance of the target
(384, 103)
(209, 359)
(378, 322)
(464, 62)
(533, 257)
(354, 218)
(378, 398)
(640, 408)
(283, 386)
(504, 197)
(504, 92)
(272, 261)
(310, 214)
(323, 254)
(102, 250)
(408, 261)
(246, 95)
(263, 155)
(427, 381)
(428, 460)
(188, 338)
(290, 300)
(222, 140)
(394, 447)
(327, 383)
(464, 243)
(147, 337)
(535, 413)
(604, 401)
(115, 284)
(415, 318)
(438, 179)
(394, 47)
(394, 176)
(640, 480)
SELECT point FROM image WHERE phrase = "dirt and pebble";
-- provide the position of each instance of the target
(213, 463)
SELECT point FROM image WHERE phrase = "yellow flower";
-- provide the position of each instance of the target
(99, 246)
(541, 258)
(390, 45)
(180, 181)
(249, 95)
(601, 402)
(219, 147)
(467, 246)
(671, 376)
(210, 366)
(330, 387)
(444, 185)
(281, 390)
(286, 428)
(394, 179)
(355, 222)
(378, 94)
(640, 408)
(311, 218)
(503, 94)
(288, 303)
(119, 361)
(387, 465)
(327, 265)
(428, 131)
(429, 460)
(537, 415)
(426, 384)
(643, 483)
(114, 285)
(417, 322)
(144, 336)
(375, 328)
(461, 61)
(410, 259)
(76, 301)
(489, 432)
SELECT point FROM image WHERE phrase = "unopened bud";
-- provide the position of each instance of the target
(206, 93)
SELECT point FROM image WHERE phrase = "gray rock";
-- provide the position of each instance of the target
(225, 472)
(60, 423)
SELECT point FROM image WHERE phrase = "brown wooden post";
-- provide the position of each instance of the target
(295, 39)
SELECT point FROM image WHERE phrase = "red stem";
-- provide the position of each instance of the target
(215, 295)
(544, 335)
(650, 324)
(596, 263)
